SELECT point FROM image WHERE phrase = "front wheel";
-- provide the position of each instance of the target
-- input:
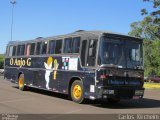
(77, 91)
(21, 82)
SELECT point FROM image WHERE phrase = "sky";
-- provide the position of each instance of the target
(45, 18)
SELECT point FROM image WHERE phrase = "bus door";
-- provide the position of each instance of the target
(88, 53)
(88, 60)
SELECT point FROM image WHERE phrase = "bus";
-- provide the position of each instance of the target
(95, 65)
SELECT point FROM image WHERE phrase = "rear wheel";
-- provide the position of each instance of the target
(21, 82)
(77, 91)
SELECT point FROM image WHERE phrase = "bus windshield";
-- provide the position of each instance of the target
(120, 53)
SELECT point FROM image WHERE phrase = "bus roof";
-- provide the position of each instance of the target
(76, 33)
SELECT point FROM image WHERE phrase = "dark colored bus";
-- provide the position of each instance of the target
(84, 65)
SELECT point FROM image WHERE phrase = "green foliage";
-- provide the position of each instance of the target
(155, 13)
(146, 29)
(1, 61)
(149, 30)
(156, 5)
(152, 57)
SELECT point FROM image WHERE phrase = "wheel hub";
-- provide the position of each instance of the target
(20, 82)
(77, 92)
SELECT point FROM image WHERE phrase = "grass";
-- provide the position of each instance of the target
(151, 85)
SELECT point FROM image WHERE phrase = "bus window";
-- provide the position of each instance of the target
(52, 45)
(67, 45)
(76, 45)
(44, 48)
(38, 48)
(92, 53)
(83, 52)
(58, 46)
(7, 51)
(20, 50)
(28, 49)
(32, 49)
(14, 51)
(10, 50)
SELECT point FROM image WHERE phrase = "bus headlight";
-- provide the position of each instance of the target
(139, 92)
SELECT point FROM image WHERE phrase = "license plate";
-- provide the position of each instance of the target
(136, 97)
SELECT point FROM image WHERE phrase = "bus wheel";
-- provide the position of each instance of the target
(77, 91)
(21, 82)
(112, 100)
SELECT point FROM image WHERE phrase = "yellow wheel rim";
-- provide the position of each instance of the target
(77, 92)
(20, 82)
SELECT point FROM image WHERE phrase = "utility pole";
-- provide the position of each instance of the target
(13, 2)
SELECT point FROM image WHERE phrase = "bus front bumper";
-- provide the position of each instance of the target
(119, 93)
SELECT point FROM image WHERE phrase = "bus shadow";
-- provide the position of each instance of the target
(123, 104)
(128, 104)
(47, 93)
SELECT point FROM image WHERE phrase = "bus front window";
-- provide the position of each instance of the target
(111, 52)
(121, 53)
(133, 54)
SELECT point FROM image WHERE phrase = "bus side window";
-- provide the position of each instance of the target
(10, 50)
(7, 51)
(28, 47)
(67, 45)
(58, 48)
(21, 49)
(92, 53)
(76, 45)
(32, 49)
(14, 51)
(52, 45)
(38, 48)
(44, 47)
(83, 52)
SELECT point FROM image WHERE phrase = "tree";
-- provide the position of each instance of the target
(155, 13)
(152, 57)
(149, 30)
(149, 27)
(146, 29)
(1, 61)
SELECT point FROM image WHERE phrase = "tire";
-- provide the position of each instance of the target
(21, 85)
(113, 101)
(77, 92)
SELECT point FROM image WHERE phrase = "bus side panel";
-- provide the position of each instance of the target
(66, 77)
(35, 73)
(11, 74)
(28, 76)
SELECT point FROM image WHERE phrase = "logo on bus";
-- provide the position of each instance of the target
(50, 69)
(20, 62)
